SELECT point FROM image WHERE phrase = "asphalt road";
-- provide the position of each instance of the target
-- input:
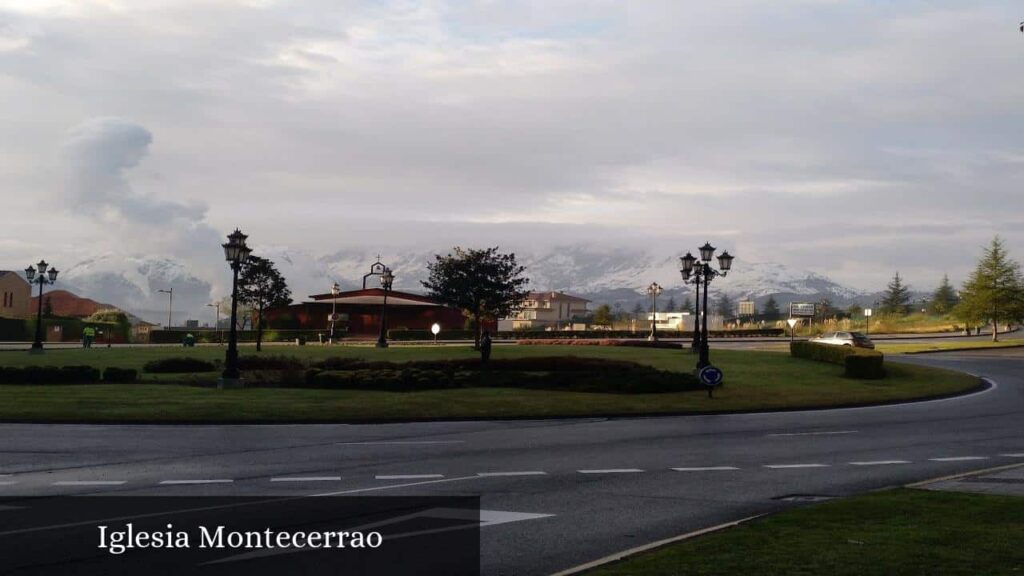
(581, 489)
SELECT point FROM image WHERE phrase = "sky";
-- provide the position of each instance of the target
(849, 138)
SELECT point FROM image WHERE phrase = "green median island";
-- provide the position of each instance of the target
(903, 531)
(425, 382)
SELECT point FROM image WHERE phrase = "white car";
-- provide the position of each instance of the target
(855, 339)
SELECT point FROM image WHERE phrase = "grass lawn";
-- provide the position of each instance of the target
(913, 348)
(754, 380)
(900, 531)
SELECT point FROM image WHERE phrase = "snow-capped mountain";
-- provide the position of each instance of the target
(604, 276)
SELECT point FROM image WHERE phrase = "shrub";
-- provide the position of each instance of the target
(178, 365)
(49, 375)
(605, 342)
(269, 363)
(856, 362)
(113, 375)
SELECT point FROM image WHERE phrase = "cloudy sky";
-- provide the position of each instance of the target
(851, 138)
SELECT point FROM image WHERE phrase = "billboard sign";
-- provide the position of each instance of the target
(802, 309)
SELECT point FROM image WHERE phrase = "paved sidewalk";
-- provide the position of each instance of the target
(1004, 481)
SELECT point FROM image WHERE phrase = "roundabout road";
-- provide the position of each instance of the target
(584, 488)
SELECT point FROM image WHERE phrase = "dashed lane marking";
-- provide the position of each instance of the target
(786, 466)
(187, 482)
(407, 476)
(522, 473)
(306, 479)
(1013, 455)
(958, 458)
(612, 471)
(820, 433)
(89, 482)
(879, 462)
(705, 469)
(399, 442)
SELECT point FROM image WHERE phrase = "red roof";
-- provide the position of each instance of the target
(67, 304)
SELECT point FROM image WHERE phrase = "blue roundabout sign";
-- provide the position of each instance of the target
(710, 376)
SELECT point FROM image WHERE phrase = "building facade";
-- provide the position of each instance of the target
(359, 313)
(16, 295)
(548, 311)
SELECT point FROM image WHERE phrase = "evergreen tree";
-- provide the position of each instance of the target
(687, 305)
(855, 310)
(261, 286)
(603, 315)
(944, 299)
(671, 306)
(994, 291)
(638, 309)
(771, 310)
(897, 297)
(484, 284)
(724, 306)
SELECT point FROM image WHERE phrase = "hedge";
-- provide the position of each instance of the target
(408, 335)
(857, 362)
(49, 375)
(14, 330)
(272, 362)
(553, 373)
(209, 335)
(114, 375)
(178, 365)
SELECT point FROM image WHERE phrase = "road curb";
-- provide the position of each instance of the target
(957, 476)
(644, 548)
(966, 349)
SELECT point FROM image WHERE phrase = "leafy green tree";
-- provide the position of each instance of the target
(994, 291)
(603, 315)
(771, 310)
(944, 298)
(855, 310)
(261, 286)
(897, 297)
(485, 284)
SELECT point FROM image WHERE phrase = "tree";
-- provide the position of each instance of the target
(245, 313)
(261, 286)
(944, 298)
(47, 307)
(897, 297)
(826, 310)
(687, 305)
(484, 284)
(771, 309)
(855, 310)
(994, 291)
(603, 315)
(671, 306)
(724, 306)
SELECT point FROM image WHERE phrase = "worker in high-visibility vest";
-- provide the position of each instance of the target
(88, 335)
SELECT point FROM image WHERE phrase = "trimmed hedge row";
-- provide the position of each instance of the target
(633, 343)
(49, 375)
(408, 335)
(178, 365)
(857, 362)
(554, 373)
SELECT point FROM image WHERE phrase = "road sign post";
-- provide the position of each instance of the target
(867, 321)
(710, 377)
(792, 327)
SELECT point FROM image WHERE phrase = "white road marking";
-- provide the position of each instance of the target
(407, 476)
(611, 471)
(89, 483)
(782, 466)
(822, 433)
(958, 458)
(306, 479)
(879, 462)
(399, 442)
(8, 482)
(1014, 455)
(523, 473)
(213, 481)
(705, 468)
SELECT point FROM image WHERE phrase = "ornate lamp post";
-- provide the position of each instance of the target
(335, 290)
(235, 252)
(386, 279)
(703, 273)
(653, 290)
(40, 274)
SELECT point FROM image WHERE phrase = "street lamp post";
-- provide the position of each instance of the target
(235, 252)
(170, 304)
(386, 279)
(703, 273)
(40, 274)
(653, 290)
(216, 324)
(335, 290)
